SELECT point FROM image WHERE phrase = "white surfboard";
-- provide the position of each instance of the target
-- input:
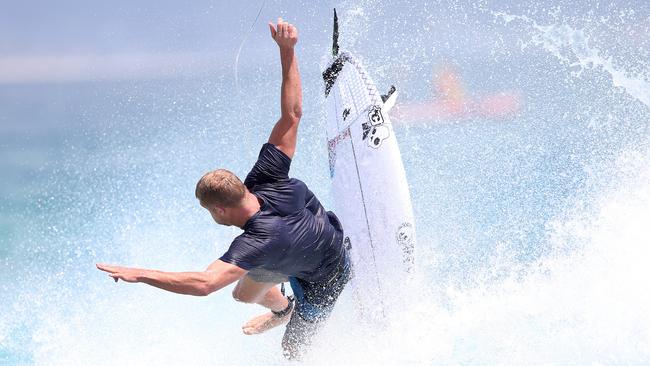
(370, 189)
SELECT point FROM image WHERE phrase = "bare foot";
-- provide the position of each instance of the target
(264, 322)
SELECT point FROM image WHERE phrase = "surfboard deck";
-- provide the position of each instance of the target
(369, 185)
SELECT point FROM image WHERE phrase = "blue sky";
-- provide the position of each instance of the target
(80, 40)
(74, 40)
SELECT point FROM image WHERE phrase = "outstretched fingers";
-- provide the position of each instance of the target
(107, 268)
(112, 270)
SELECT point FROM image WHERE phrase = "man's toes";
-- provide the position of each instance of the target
(248, 330)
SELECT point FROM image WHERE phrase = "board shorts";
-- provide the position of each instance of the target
(314, 302)
(264, 275)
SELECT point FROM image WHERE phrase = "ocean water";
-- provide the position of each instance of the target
(532, 230)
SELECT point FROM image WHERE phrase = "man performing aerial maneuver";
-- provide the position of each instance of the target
(288, 235)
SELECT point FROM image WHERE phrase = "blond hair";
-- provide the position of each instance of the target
(220, 187)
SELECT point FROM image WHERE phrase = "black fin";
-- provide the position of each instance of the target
(329, 75)
(335, 40)
(385, 97)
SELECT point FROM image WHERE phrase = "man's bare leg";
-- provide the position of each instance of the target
(265, 294)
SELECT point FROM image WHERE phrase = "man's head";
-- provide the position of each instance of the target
(220, 192)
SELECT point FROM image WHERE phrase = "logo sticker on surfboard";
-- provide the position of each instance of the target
(374, 131)
(405, 236)
(346, 113)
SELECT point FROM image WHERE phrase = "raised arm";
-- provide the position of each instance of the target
(285, 130)
(217, 276)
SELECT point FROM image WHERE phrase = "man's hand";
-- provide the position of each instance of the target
(285, 34)
(125, 274)
(218, 275)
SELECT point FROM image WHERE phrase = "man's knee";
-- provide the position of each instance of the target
(242, 296)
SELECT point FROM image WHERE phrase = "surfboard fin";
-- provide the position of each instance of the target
(335, 36)
(385, 97)
(389, 99)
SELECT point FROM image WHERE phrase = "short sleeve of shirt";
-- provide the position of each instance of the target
(272, 165)
(244, 254)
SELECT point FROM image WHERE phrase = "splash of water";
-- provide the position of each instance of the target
(572, 47)
(584, 305)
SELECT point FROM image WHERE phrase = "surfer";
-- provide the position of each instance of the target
(288, 235)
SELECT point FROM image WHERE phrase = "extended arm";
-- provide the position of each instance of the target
(217, 276)
(285, 130)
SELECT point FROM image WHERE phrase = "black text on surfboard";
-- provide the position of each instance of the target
(374, 131)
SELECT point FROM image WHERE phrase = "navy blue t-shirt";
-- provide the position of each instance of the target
(292, 233)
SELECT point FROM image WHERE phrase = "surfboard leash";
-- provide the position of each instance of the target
(241, 46)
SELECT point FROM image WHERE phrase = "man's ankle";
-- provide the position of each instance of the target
(286, 310)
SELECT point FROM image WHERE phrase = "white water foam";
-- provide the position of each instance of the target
(583, 304)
